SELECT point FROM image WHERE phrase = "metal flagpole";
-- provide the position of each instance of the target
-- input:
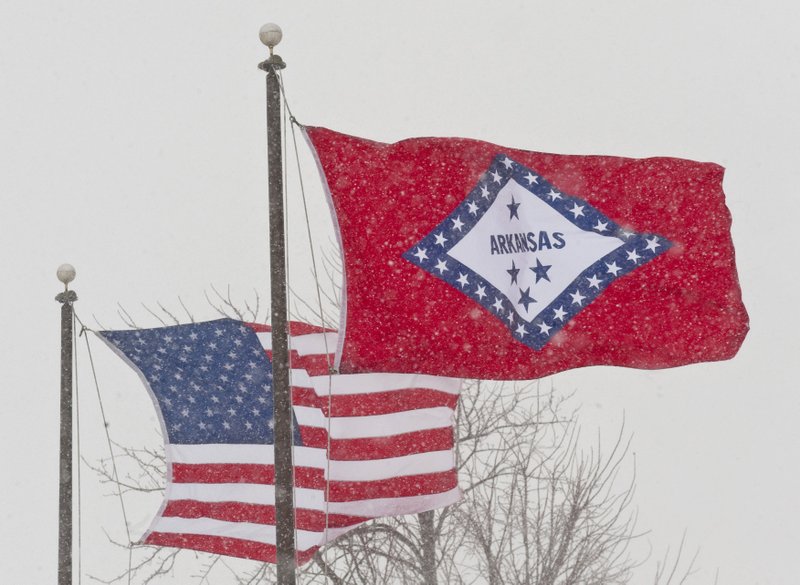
(270, 35)
(65, 273)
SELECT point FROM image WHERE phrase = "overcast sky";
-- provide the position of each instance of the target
(132, 141)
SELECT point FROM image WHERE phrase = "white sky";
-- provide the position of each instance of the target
(132, 145)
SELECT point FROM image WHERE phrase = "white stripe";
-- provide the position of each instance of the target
(308, 344)
(300, 378)
(247, 493)
(369, 470)
(383, 382)
(309, 416)
(385, 425)
(415, 464)
(243, 530)
(232, 453)
(395, 506)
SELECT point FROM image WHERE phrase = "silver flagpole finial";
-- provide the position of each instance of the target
(66, 274)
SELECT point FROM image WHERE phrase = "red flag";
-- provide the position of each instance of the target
(463, 258)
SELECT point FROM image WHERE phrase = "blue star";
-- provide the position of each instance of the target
(526, 298)
(540, 270)
(513, 272)
(513, 208)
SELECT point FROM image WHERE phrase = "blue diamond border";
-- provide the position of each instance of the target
(638, 249)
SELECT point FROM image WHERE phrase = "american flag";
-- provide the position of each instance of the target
(366, 445)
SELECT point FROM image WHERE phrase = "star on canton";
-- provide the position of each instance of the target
(440, 240)
(553, 195)
(441, 266)
(532, 179)
(495, 177)
(462, 280)
(559, 313)
(484, 192)
(540, 270)
(457, 223)
(613, 268)
(507, 162)
(544, 328)
(602, 226)
(481, 292)
(421, 254)
(526, 299)
(521, 331)
(497, 305)
(473, 208)
(513, 272)
(513, 209)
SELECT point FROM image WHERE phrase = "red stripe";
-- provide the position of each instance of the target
(305, 477)
(389, 402)
(312, 520)
(392, 446)
(374, 403)
(220, 545)
(395, 487)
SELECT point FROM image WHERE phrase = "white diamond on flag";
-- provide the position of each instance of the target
(529, 253)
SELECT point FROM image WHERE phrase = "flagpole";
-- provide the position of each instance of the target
(270, 35)
(65, 273)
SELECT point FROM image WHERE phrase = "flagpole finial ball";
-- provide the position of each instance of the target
(66, 273)
(270, 34)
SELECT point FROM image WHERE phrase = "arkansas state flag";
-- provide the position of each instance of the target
(467, 259)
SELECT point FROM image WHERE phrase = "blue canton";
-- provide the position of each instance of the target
(212, 381)
(532, 288)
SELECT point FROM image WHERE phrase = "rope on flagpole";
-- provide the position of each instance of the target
(84, 329)
(284, 148)
(77, 449)
(317, 286)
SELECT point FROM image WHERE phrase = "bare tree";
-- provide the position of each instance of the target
(538, 507)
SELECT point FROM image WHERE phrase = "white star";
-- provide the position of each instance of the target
(441, 266)
(507, 162)
(193, 336)
(613, 268)
(226, 424)
(633, 256)
(576, 210)
(473, 208)
(531, 178)
(481, 292)
(559, 313)
(498, 305)
(553, 195)
(495, 177)
(652, 244)
(510, 317)
(626, 234)
(249, 425)
(457, 224)
(544, 328)
(440, 239)
(594, 282)
(602, 226)
(521, 331)
(577, 298)
(484, 192)
(462, 280)
(421, 254)
(168, 338)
